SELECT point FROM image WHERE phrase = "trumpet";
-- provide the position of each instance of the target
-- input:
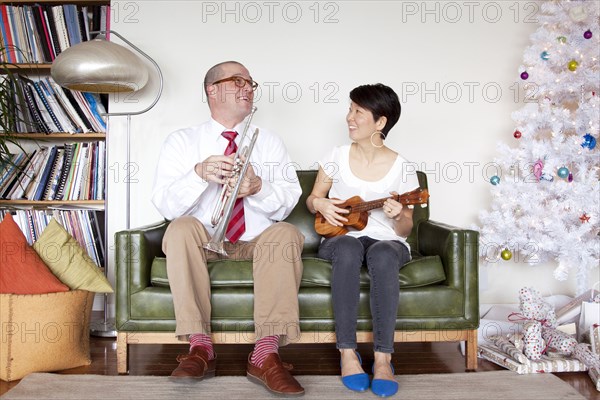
(224, 207)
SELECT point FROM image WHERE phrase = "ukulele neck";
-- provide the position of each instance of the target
(373, 204)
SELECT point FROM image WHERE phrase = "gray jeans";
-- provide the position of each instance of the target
(383, 258)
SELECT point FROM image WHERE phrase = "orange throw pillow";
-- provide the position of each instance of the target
(22, 271)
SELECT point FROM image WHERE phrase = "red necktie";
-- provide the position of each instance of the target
(237, 225)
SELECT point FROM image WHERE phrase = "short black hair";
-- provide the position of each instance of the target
(381, 100)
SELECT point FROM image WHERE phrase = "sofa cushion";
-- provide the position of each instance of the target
(22, 271)
(69, 261)
(44, 332)
(421, 271)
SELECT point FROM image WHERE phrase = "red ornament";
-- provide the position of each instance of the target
(517, 134)
(584, 218)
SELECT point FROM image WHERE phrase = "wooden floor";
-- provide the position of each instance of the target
(308, 359)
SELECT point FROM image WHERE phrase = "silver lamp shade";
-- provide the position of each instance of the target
(99, 66)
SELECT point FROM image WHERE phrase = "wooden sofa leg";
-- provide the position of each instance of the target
(122, 358)
(471, 350)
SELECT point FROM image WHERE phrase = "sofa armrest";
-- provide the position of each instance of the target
(135, 252)
(459, 250)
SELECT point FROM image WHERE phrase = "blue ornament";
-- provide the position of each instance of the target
(494, 180)
(545, 55)
(563, 172)
(588, 141)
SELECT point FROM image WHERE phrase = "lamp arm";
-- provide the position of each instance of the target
(158, 70)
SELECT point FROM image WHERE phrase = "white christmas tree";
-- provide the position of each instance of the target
(546, 193)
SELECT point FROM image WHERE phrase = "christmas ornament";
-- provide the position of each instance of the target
(577, 14)
(562, 39)
(572, 65)
(506, 254)
(587, 34)
(545, 55)
(524, 75)
(538, 172)
(588, 141)
(584, 218)
(563, 172)
(517, 135)
(537, 169)
(570, 178)
(494, 180)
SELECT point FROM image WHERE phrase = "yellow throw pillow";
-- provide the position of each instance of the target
(69, 261)
(44, 332)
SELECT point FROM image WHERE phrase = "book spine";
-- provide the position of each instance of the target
(45, 177)
(55, 173)
(40, 124)
(13, 174)
(61, 27)
(12, 14)
(53, 101)
(97, 109)
(7, 35)
(32, 34)
(50, 21)
(64, 176)
(72, 23)
(44, 99)
(42, 28)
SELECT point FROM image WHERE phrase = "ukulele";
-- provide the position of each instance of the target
(359, 211)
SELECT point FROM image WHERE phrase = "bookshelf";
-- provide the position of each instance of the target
(48, 120)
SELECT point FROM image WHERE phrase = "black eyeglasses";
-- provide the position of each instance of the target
(239, 82)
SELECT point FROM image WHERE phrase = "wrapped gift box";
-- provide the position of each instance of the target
(595, 338)
(595, 375)
(546, 364)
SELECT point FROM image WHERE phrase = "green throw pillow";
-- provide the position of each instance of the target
(69, 261)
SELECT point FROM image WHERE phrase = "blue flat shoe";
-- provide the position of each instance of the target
(356, 382)
(384, 387)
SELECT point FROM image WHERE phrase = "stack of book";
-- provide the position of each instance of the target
(43, 106)
(38, 33)
(72, 171)
(86, 226)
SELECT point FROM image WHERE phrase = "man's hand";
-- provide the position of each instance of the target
(250, 184)
(216, 169)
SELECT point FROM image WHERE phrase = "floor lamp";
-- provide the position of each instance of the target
(100, 66)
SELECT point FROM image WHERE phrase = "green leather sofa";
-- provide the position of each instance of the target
(438, 288)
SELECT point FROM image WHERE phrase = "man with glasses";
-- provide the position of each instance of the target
(194, 164)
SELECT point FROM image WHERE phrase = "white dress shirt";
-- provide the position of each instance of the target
(336, 166)
(179, 191)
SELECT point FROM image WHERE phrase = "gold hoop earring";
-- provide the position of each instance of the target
(373, 144)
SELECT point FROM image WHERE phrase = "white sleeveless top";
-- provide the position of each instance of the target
(401, 178)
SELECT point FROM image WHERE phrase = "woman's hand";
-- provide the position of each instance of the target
(391, 208)
(329, 210)
(402, 216)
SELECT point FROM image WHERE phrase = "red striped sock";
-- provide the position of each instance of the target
(204, 341)
(263, 348)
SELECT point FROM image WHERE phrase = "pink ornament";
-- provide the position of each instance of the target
(537, 169)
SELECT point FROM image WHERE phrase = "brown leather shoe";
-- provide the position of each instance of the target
(275, 376)
(195, 365)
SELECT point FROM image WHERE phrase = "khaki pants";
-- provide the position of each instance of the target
(277, 270)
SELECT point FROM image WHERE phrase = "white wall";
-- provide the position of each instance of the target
(454, 65)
